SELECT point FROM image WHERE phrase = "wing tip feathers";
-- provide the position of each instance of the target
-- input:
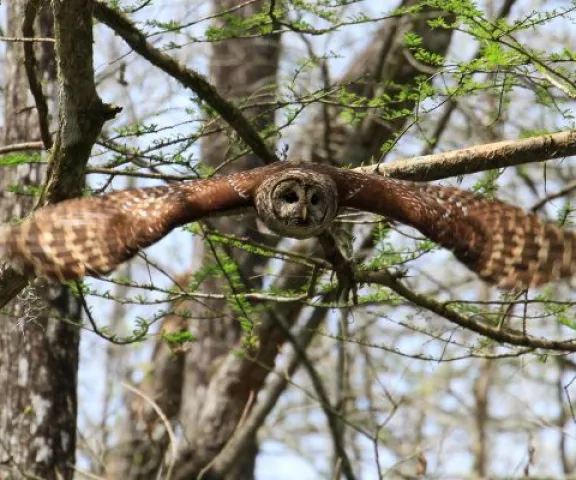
(14, 261)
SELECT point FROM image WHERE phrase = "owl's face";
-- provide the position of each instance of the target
(297, 204)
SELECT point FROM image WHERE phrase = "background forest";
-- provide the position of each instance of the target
(224, 351)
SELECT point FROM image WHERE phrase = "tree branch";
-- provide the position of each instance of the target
(21, 147)
(282, 377)
(82, 112)
(187, 77)
(475, 322)
(324, 401)
(479, 158)
(82, 115)
(30, 65)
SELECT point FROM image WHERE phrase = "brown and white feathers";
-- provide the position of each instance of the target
(93, 235)
(499, 242)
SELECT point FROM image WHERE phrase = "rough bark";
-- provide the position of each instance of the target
(38, 354)
(39, 351)
(239, 68)
(180, 383)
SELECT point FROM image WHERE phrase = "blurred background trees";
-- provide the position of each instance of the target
(223, 351)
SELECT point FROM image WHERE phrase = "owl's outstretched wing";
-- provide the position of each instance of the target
(93, 235)
(497, 241)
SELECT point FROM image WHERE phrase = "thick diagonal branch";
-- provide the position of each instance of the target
(187, 77)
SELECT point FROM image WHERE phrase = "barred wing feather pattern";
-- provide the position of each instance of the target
(93, 235)
(509, 248)
(499, 242)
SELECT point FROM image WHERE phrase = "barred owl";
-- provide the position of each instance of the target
(93, 235)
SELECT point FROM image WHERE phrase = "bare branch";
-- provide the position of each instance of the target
(187, 77)
(21, 147)
(33, 80)
(167, 426)
(479, 158)
(27, 40)
(282, 378)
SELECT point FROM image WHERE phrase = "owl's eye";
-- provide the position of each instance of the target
(290, 197)
(314, 199)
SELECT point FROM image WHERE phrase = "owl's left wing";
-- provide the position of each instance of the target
(93, 235)
(497, 241)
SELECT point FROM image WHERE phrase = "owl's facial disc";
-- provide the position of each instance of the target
(297, 204)
(293, 204)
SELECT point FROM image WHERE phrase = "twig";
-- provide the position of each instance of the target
(332, 418)
(128, 173)
(84, 473)
(281, 379)
(474, 323)
(27, 40)
(21, 147)
(452, 103)
(97, 331)
(553, 196)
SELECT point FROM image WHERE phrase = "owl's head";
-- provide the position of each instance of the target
(297, 203)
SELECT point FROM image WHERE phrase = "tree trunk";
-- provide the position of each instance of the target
(238, 67)
(218, 391)
(38, 354)
(180, 383)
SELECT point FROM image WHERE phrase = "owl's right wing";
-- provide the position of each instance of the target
(499, 242)
(93, 235)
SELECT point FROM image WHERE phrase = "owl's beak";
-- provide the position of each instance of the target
(304, 213)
